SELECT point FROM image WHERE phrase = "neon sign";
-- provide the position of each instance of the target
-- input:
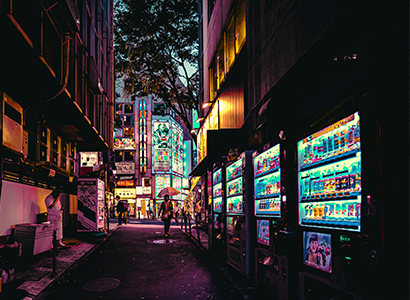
(143, 136)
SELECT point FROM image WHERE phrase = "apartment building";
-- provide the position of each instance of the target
(56, 86)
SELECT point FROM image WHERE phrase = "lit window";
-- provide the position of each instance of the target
(118, 156)
(220, 64)
(118, 108)
(230, 44)
(240, 26)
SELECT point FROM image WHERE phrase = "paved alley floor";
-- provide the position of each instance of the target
(137, 262)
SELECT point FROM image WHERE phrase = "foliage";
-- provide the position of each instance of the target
(155, 41)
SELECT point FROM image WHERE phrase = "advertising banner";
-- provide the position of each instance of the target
(125, 193)
(177, 183)
(177, 149)
(161, 145)
(161, 182)
(125, 167)
(124, 143)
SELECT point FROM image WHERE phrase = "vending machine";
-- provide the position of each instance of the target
(218, 224)
(239, 213)
(340, 245)
(274, 230)
(90, 196)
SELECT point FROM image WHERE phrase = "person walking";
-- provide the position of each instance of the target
(177, 211)
(55, 214)
(120, 210)
(150, 213)
(165, 211)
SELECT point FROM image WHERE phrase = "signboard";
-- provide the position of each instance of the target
(177, 149)
(125, 167)
(125, 193)
(138, 190)
(161, 145)
(89, 159)
(177, 183)
(161, 182)
(124, 143)
(125, 183)
(185, 183)
(146, 190)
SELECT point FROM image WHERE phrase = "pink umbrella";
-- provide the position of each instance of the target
(168, 190)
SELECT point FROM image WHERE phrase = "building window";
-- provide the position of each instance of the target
(118, 156)
(240, 26)
(129, 109)
(232, 40)
(220, 64)
(230, 44)
(129, 155)
(118, 108)
(128, 120)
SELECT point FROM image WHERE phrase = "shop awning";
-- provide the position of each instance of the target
(219, 142)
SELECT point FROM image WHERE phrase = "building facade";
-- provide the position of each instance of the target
(152, 150)
(282, 71)
(56, 86)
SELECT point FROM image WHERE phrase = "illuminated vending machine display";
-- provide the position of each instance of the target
(218, 217)
(271, 268)
(330, 201)
(238, 213)
(329, 177)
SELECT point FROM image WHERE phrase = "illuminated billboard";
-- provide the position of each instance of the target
(124, 143)
(177, 149)
(161, 182)
(177, 183)
(161, 145)
(143, 136)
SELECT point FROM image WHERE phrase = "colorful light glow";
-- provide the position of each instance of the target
(124, 143)
(177, 150)
(143, 136)
(161, 145)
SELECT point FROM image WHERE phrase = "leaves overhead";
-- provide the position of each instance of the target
(155, 41)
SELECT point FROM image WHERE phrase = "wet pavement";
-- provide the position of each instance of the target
(137, 262)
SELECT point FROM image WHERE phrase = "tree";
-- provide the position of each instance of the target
(155, 42)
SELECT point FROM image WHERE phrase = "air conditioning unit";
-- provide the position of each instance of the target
(12, 114)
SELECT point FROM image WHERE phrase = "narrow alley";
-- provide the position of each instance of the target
(136, 262)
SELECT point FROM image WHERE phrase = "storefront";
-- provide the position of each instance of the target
(128, 194)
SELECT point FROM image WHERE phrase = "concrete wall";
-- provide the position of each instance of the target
(19, 204)
(278, 34)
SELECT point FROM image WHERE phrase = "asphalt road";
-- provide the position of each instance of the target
(137, 262)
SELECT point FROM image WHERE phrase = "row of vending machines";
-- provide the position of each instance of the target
(289, 215)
